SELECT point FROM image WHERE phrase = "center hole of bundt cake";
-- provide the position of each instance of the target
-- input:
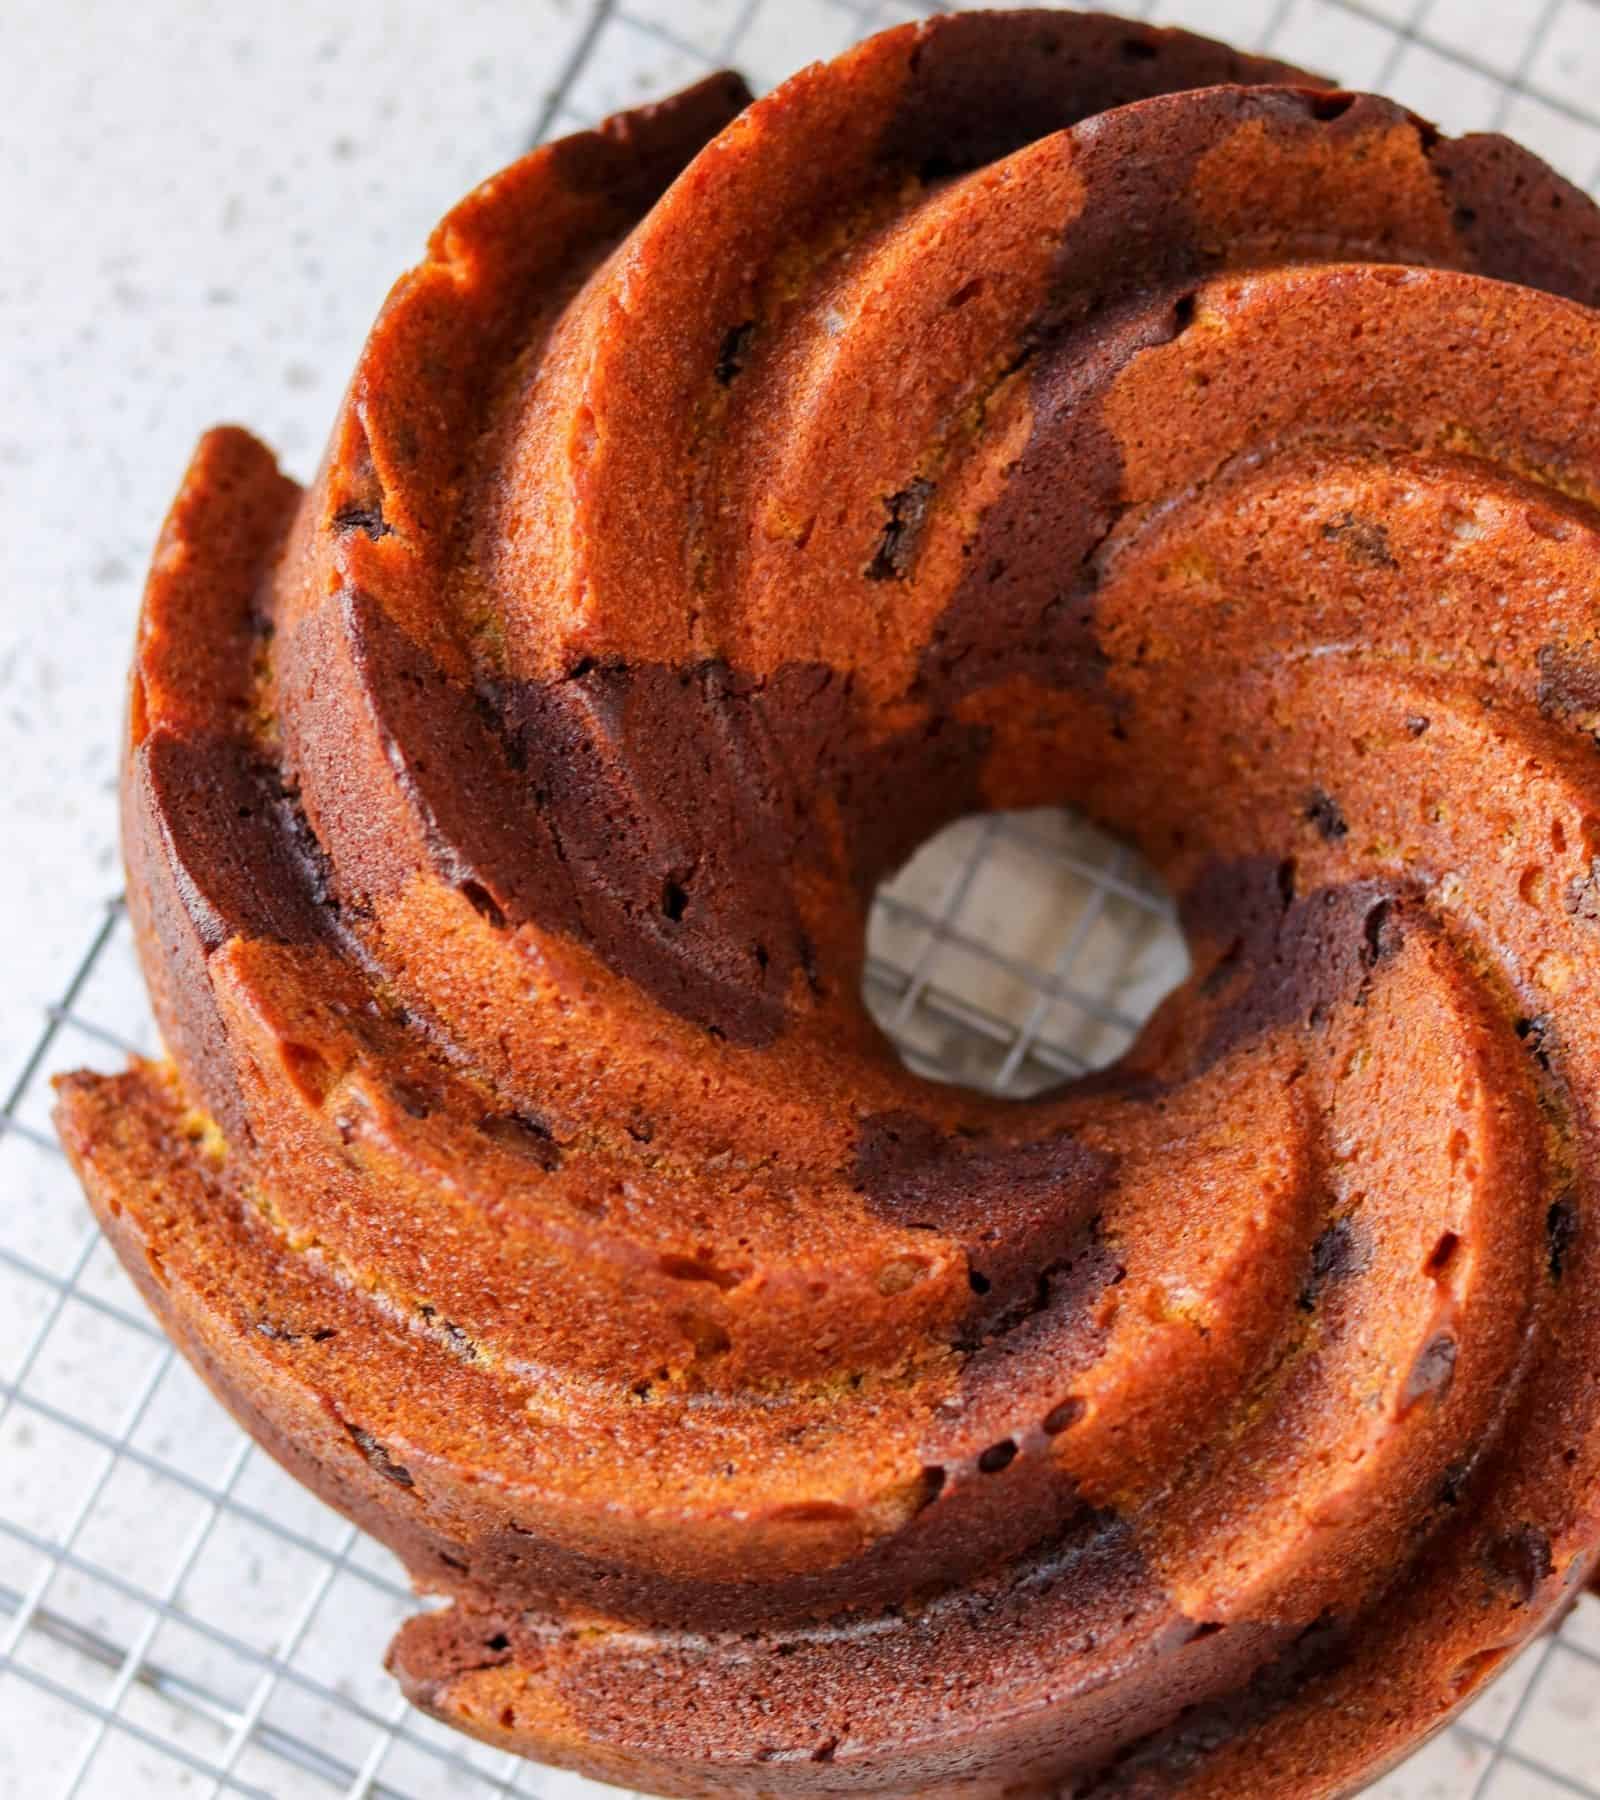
(1013, 951)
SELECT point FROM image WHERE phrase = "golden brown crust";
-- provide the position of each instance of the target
(1017, 411)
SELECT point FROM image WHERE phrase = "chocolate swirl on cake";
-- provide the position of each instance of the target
(1025, 409)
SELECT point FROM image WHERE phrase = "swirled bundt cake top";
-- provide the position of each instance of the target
(1025, 409)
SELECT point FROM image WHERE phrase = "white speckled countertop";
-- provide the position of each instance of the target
(201, 207)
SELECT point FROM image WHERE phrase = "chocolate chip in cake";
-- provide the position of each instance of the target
(1561, 1233)
(1323, 811)
(1535, 1033)
(731, 357)
(378, 1457)
(998, 1456)
(1363, 540)
(1432, 1374)
(897, 545)
(367, 518)
(1521, 1562)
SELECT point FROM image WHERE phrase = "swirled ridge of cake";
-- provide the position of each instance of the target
(1024, 409)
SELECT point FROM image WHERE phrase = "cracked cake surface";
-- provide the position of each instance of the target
(1024, 409)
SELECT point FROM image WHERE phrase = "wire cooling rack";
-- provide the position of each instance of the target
(176, 1616)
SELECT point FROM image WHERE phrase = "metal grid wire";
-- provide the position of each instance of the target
(175, 1615)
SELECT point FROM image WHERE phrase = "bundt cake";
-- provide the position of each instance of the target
(1024, 409)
